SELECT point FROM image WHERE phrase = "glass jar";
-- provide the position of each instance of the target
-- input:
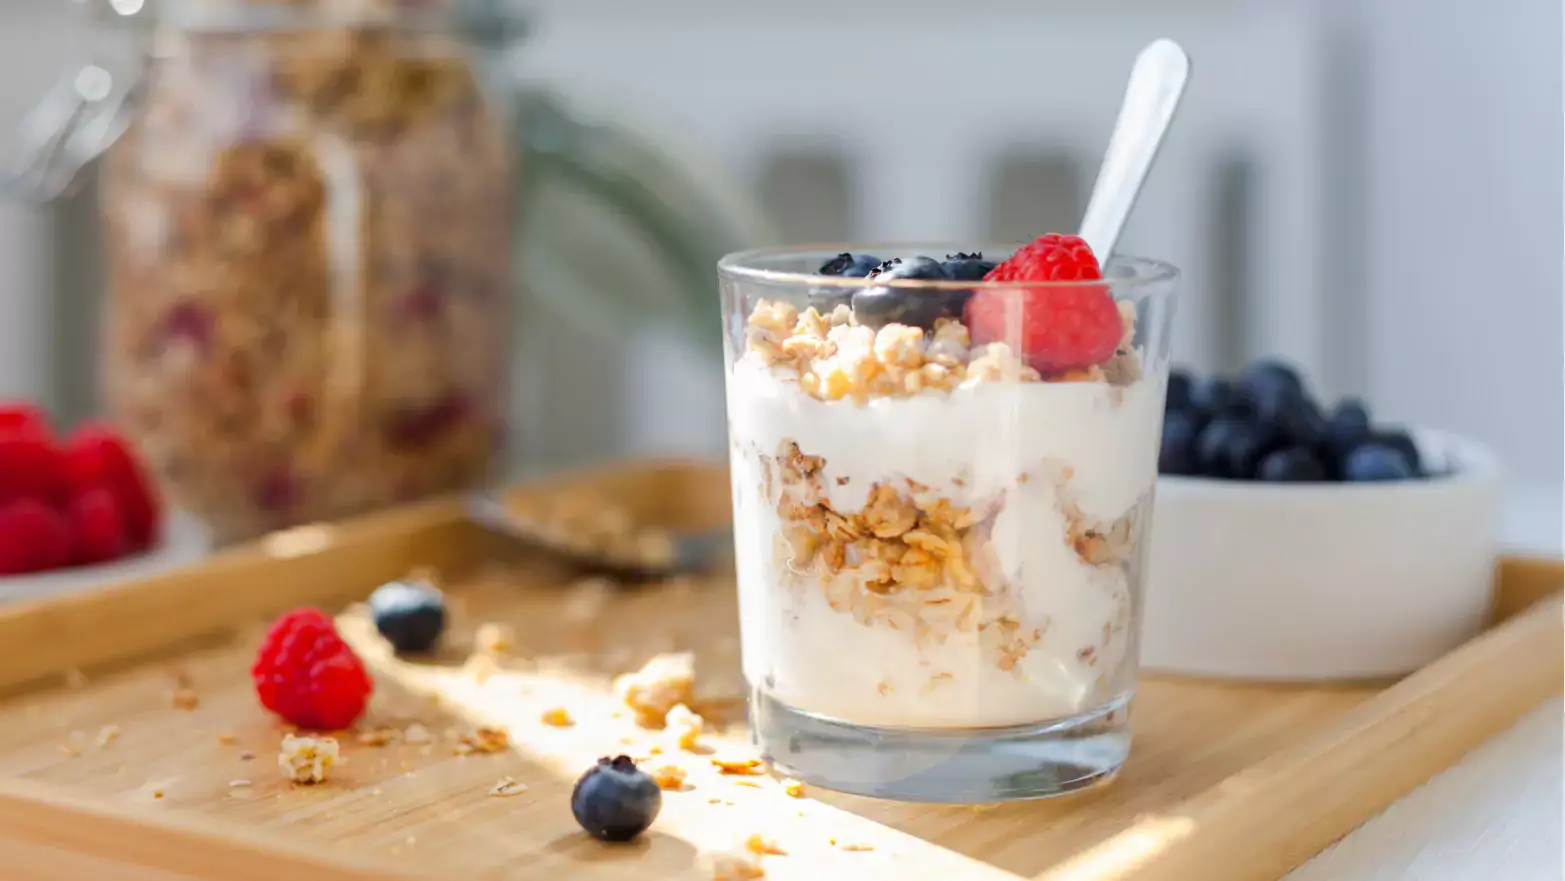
(307, 233)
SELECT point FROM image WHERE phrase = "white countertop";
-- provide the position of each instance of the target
(1496, 814)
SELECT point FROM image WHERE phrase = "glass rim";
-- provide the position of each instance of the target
(740, 265)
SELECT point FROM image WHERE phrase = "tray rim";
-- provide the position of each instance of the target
(46, 636)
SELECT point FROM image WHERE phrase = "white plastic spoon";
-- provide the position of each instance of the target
(1157, 82)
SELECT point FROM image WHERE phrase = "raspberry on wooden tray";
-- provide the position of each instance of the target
(305, 673)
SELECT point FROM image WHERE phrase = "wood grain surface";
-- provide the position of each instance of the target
(102, 775)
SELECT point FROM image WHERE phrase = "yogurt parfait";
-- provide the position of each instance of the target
(943, 468)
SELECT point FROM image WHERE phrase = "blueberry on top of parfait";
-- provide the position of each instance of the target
(850, 265)
(917, 307)
(962, 266)
(845, 265)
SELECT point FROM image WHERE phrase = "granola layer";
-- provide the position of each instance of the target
(831, 357)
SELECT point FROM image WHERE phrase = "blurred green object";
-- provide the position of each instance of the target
(620, 230)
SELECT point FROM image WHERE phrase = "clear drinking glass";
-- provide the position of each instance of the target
(941, 549)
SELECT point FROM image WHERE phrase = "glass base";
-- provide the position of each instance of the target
(955, 765)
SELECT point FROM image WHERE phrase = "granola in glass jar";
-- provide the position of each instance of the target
(308, 234)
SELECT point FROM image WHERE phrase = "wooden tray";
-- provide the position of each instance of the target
(1225, 782)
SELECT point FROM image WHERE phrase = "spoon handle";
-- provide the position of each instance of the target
(1157, 82)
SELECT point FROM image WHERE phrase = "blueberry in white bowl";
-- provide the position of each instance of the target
(1298, 542)
(1266, 410)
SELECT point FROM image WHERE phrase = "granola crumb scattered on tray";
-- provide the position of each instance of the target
(669, 777)
(185, 698)
(664, 682)
(685, 726)
(507, 786)
(227, 738)
(483, 740)
(495, 639)
(759, 844)
(739, 767)
(107, 735)
(308, 760)
(793, 788)
(377, 736)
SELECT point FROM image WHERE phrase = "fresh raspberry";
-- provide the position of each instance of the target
(20, 414)
(31, 467)
(33, 538)
(305, 673)
(98, 457)
(1058, 328)
(97, 528)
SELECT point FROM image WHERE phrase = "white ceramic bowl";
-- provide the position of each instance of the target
(1322, 581)
(184, 541)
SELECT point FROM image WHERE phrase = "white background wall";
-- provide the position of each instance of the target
(1408, 241)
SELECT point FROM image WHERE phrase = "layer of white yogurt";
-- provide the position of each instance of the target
(966, 445)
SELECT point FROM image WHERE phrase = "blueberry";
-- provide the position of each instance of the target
(1288, 412)
(410, 614)
(847, 265)
(1211, 395)
(1178, 396)
(1231, 447)
(1177, 454)
(967, 267)
(1397, 439)
(963, 267)
(850, 265)
(1376, 461)
(1267, 376)
(1347, 427)
(615, 800)
(879, 306)
(1291, 465)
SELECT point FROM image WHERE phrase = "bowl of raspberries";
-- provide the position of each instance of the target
(1300, 539)
(78, 509)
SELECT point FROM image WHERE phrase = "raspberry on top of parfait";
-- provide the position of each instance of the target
(1057, 327)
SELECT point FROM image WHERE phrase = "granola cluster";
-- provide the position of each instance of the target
(307, 235)
(308, 760)
(833, 358)
(909, 560)
(1101, 543)
(664, 683)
